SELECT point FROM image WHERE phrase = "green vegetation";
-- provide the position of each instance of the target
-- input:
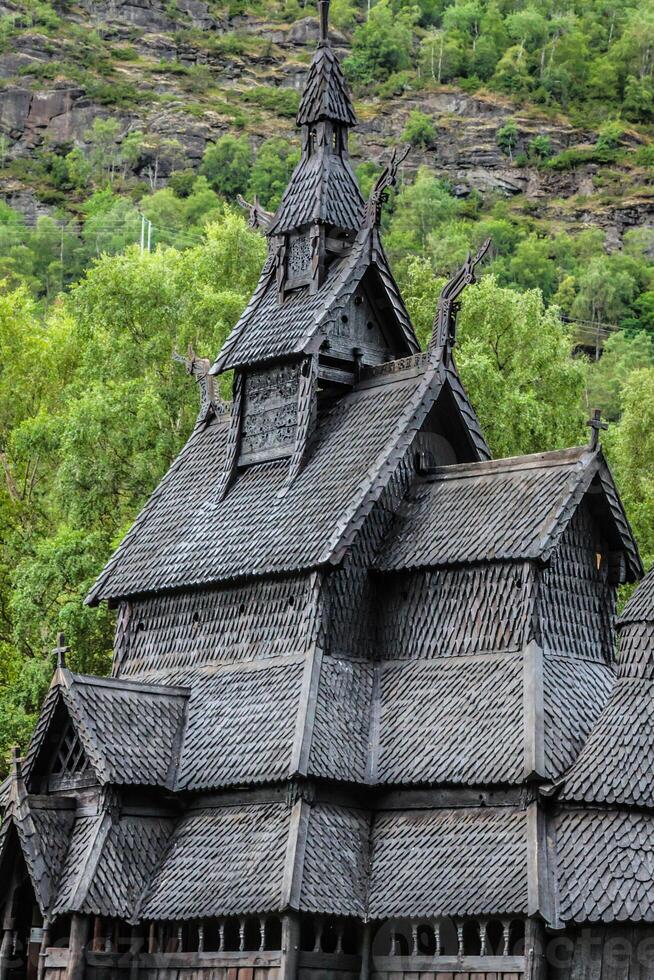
(419, 129)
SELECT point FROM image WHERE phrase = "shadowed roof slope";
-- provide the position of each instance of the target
(504, 510)
(640, 608)
(614, 766)
(186, 535)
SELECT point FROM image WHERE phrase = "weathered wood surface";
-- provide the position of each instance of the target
(468, 967)
(421, 970)
(612, 952)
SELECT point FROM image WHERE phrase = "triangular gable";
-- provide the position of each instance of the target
(63, 752)
(268, 329)
(514, 509)
(101, 730)
(39, 833)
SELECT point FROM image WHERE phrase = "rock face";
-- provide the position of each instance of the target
(164, 35)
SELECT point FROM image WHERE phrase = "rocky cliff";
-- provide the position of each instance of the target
(185, 72)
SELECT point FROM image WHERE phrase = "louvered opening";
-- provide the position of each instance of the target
(70, 766)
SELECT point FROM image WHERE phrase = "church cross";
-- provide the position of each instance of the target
(596, 424)
(61, 650)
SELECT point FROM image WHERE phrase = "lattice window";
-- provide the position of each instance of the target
(70, 761)
(299, 256)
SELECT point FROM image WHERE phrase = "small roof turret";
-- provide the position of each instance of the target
(323, 189)
(325, 93)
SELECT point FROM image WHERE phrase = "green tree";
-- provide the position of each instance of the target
(83, 448)
(420, 208)
(608, 378)
(507, 137)
(604, 295)
(382, 44)
(514, 358)
(103, 153)
(630, 446)
(419, 129)
(227, 164)
(272, 170)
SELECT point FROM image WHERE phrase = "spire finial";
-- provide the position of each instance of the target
(596, 425)
(61, 650)
(323, 13)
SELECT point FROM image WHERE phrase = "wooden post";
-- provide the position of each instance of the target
(43, 952)
(535, 966)
(135, 946)
(366, 951)
(5, 953)
(290, 946)
(79, 930)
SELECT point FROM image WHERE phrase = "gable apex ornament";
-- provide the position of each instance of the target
(443, 336)
(200, 368)
(596, 425)
(258, 217)
(323, 16)
(61, 650)
(386, 180)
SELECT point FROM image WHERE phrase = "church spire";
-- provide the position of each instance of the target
(325, 93)
(322, 200)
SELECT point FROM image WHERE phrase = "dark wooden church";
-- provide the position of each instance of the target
(366, 717)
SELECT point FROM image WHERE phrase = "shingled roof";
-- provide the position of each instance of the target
(268, 329)
(451, 862)
(186, 535)
(605, 860)
(222, 860)
(505, 510)
(320, 191)
(41, 829)
(640, 608)
(131, 732)
(109, 863)
(614, 766)
(325, 94)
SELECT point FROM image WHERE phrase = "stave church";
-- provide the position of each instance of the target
(371, 715)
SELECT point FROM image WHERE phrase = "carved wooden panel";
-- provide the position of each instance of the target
(269, 413)
(298, 258)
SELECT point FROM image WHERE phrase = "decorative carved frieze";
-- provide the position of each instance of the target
(269, 413)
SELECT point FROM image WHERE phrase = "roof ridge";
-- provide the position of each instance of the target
(408, 422)
(508, 464)
(125, 683)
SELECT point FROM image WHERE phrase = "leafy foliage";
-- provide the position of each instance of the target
(92, 411)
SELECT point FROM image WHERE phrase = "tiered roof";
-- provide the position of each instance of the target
(300, 325)
(236, 709)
